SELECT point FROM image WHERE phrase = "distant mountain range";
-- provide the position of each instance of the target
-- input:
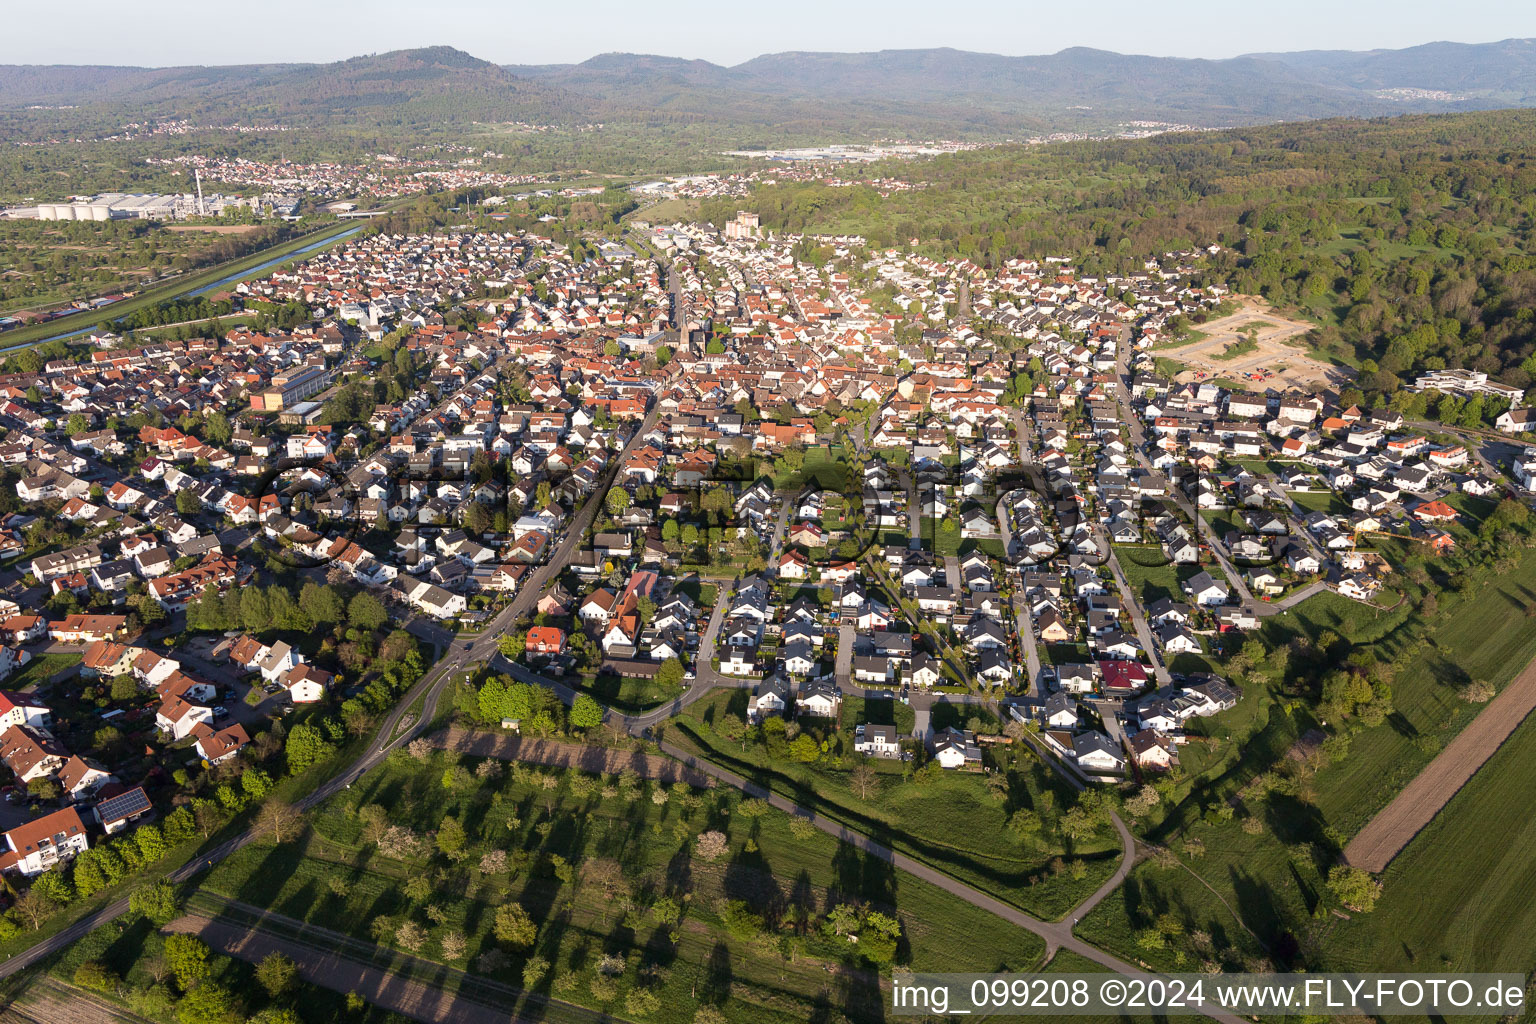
(939, 91)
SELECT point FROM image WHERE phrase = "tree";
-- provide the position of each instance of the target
(35, 907)
(94, 975)
(452, 945)
(365, 611)
(586, 712)
(321, 604)
(1354, 888)
(710, 845)
(124, 687)
(277, 1015)
(207, 1004)
(187, 957)
(277, 820)
(804, 748)
(512, 645)
(187, 503)
(158, 902)
(216, 428)
(1477, 691)
(617, 501)
(45, 787)
(276, 973)
(54, 885)
(305, 748)
(451, 838)
(864, 781)
(641, 1002)
(514, 927)
(534, 970)
(670, 675)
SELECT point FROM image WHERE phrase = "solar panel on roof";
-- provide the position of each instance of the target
(123, 805)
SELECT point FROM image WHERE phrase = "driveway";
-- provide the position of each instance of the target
(845, 643)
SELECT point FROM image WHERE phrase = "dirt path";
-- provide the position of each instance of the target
(606, 760)
(379, 986)
(1385, 835)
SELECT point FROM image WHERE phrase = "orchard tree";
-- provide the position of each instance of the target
(276, 973)
(514, 927)
(1354, 888)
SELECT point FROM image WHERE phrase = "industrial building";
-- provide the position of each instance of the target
(125, 206)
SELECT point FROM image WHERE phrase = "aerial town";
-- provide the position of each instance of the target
(784, 464)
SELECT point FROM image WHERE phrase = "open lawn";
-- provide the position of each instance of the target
(1189, 337)
(629, 694)
(950, 822)
(1319, 501)
(39, 670)
(629, 852)
(823, 467)
(1149, 572)
(1236, 349)
(878, 711)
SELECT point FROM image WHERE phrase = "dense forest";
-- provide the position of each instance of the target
(1408, 240)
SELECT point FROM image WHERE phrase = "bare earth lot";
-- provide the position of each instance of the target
(1274, 364)
(1385, 835)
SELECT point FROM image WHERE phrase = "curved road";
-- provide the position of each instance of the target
(1057, 934)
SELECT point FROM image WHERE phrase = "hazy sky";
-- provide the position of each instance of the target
(168, 32)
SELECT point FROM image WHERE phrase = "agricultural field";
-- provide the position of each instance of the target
(1260, 813)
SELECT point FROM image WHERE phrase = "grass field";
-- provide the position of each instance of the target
(1148, 579)
(334, 878)
(878, 712)
(1236, 349)
(1485, 636)
(39, 669)
(950, 822)
(1320, 501)
(1189, 337)
(629, 694)
(1459, 897)
(823, 467)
